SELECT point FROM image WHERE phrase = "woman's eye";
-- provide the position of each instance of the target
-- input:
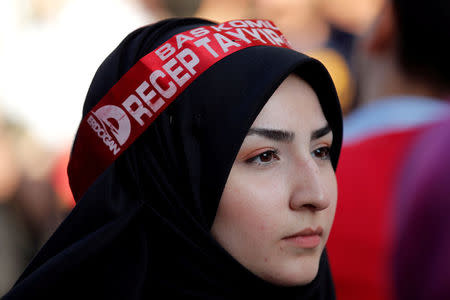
(322, 153)
(264, 158)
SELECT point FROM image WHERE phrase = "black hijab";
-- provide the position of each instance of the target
(142, 230)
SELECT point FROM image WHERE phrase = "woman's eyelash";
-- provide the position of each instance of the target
(270, 156)
(264, 158)
(322, 153)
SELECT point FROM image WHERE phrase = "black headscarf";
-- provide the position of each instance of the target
(142, 230)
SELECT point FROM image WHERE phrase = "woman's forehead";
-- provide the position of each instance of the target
(294, 106)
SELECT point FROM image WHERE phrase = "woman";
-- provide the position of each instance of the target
(188, 184)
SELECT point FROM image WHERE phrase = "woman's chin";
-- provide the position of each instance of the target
(295, 274)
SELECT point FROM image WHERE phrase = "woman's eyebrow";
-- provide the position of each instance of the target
(320, 132)
(273, 134)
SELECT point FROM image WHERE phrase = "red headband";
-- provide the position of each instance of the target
(145, 91)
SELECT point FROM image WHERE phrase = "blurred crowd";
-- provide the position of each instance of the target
(50, 50)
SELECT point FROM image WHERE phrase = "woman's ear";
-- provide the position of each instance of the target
(381, 36)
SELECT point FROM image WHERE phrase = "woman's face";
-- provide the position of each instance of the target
(278, 204)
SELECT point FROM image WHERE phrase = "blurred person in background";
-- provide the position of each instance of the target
(49, 46)
(302, 21)
(347, 20)
(29, 208)
(325, 30)
(312, 24)
(58, 43)
(421, 260)
(309, 31)
(14, 241)
(60, 180)
(403, 77)
(220, 11)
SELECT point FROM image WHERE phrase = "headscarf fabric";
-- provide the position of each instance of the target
(141, 229)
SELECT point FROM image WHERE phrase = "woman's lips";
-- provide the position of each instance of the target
(307, 238)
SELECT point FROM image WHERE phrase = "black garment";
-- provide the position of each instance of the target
(142, 230)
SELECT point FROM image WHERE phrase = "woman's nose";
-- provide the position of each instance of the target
(308, 187)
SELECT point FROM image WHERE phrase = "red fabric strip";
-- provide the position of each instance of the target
(145, 91)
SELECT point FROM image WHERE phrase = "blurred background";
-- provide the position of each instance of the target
(49, 52)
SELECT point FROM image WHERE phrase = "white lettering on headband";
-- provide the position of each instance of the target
(156, 80)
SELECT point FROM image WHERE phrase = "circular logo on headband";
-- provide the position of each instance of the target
(111, 120)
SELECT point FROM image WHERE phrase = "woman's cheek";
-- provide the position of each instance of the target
(331, 187)
(253, 202)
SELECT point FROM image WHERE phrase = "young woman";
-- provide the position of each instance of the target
(203, 168)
